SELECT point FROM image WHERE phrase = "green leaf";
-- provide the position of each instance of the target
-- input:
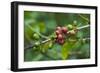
(38, 57)
(31, 55)
(36, 36)
(42, 27)
(64, 51)
(85, 51)
(36, 29)
(28, 55)
(68, 46)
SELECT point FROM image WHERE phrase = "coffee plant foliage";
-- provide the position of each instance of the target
(40, 31)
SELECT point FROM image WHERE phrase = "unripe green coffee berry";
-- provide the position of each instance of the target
(70, 26)
(72, 32)
(50, 44)
(34, 48)
(36, 36)
(37, 43)
(75, 22)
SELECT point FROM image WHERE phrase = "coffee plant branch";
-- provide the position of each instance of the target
(79, 28)
(49, 39)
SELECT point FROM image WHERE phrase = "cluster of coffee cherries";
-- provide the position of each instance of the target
(62, 32)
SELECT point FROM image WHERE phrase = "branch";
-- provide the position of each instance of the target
(45, 41)
(31, 46)
(43, 36)
(37, 32)
(79, 28)
(48, 39)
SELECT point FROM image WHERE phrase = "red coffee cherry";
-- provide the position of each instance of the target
(58, 28)
(58, 32)
(60, 36)
(64, 30)
(61, 41)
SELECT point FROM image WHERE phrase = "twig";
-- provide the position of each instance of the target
(37, 32)
(45, 41)
(43, 36)
(79, 28)
(31, 46)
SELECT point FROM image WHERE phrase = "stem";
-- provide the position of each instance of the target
(43, 36)
(48, 39)
(31, 46)
(37, 32)
(45, 41)
(83, 27)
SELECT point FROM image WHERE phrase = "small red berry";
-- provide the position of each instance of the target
(64, 29)
(58, 32)
(61, 41)
(58, 28)
(60, 36)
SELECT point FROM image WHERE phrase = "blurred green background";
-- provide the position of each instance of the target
(40, 25)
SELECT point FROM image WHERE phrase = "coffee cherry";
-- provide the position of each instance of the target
(74, 22)
(37, 43)
(61, 41)
(50, 45)
(70, 26)
(36, 36)
(58, 32)
(58, 28)
(64, 30)
(72, 32)
(60, 36)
